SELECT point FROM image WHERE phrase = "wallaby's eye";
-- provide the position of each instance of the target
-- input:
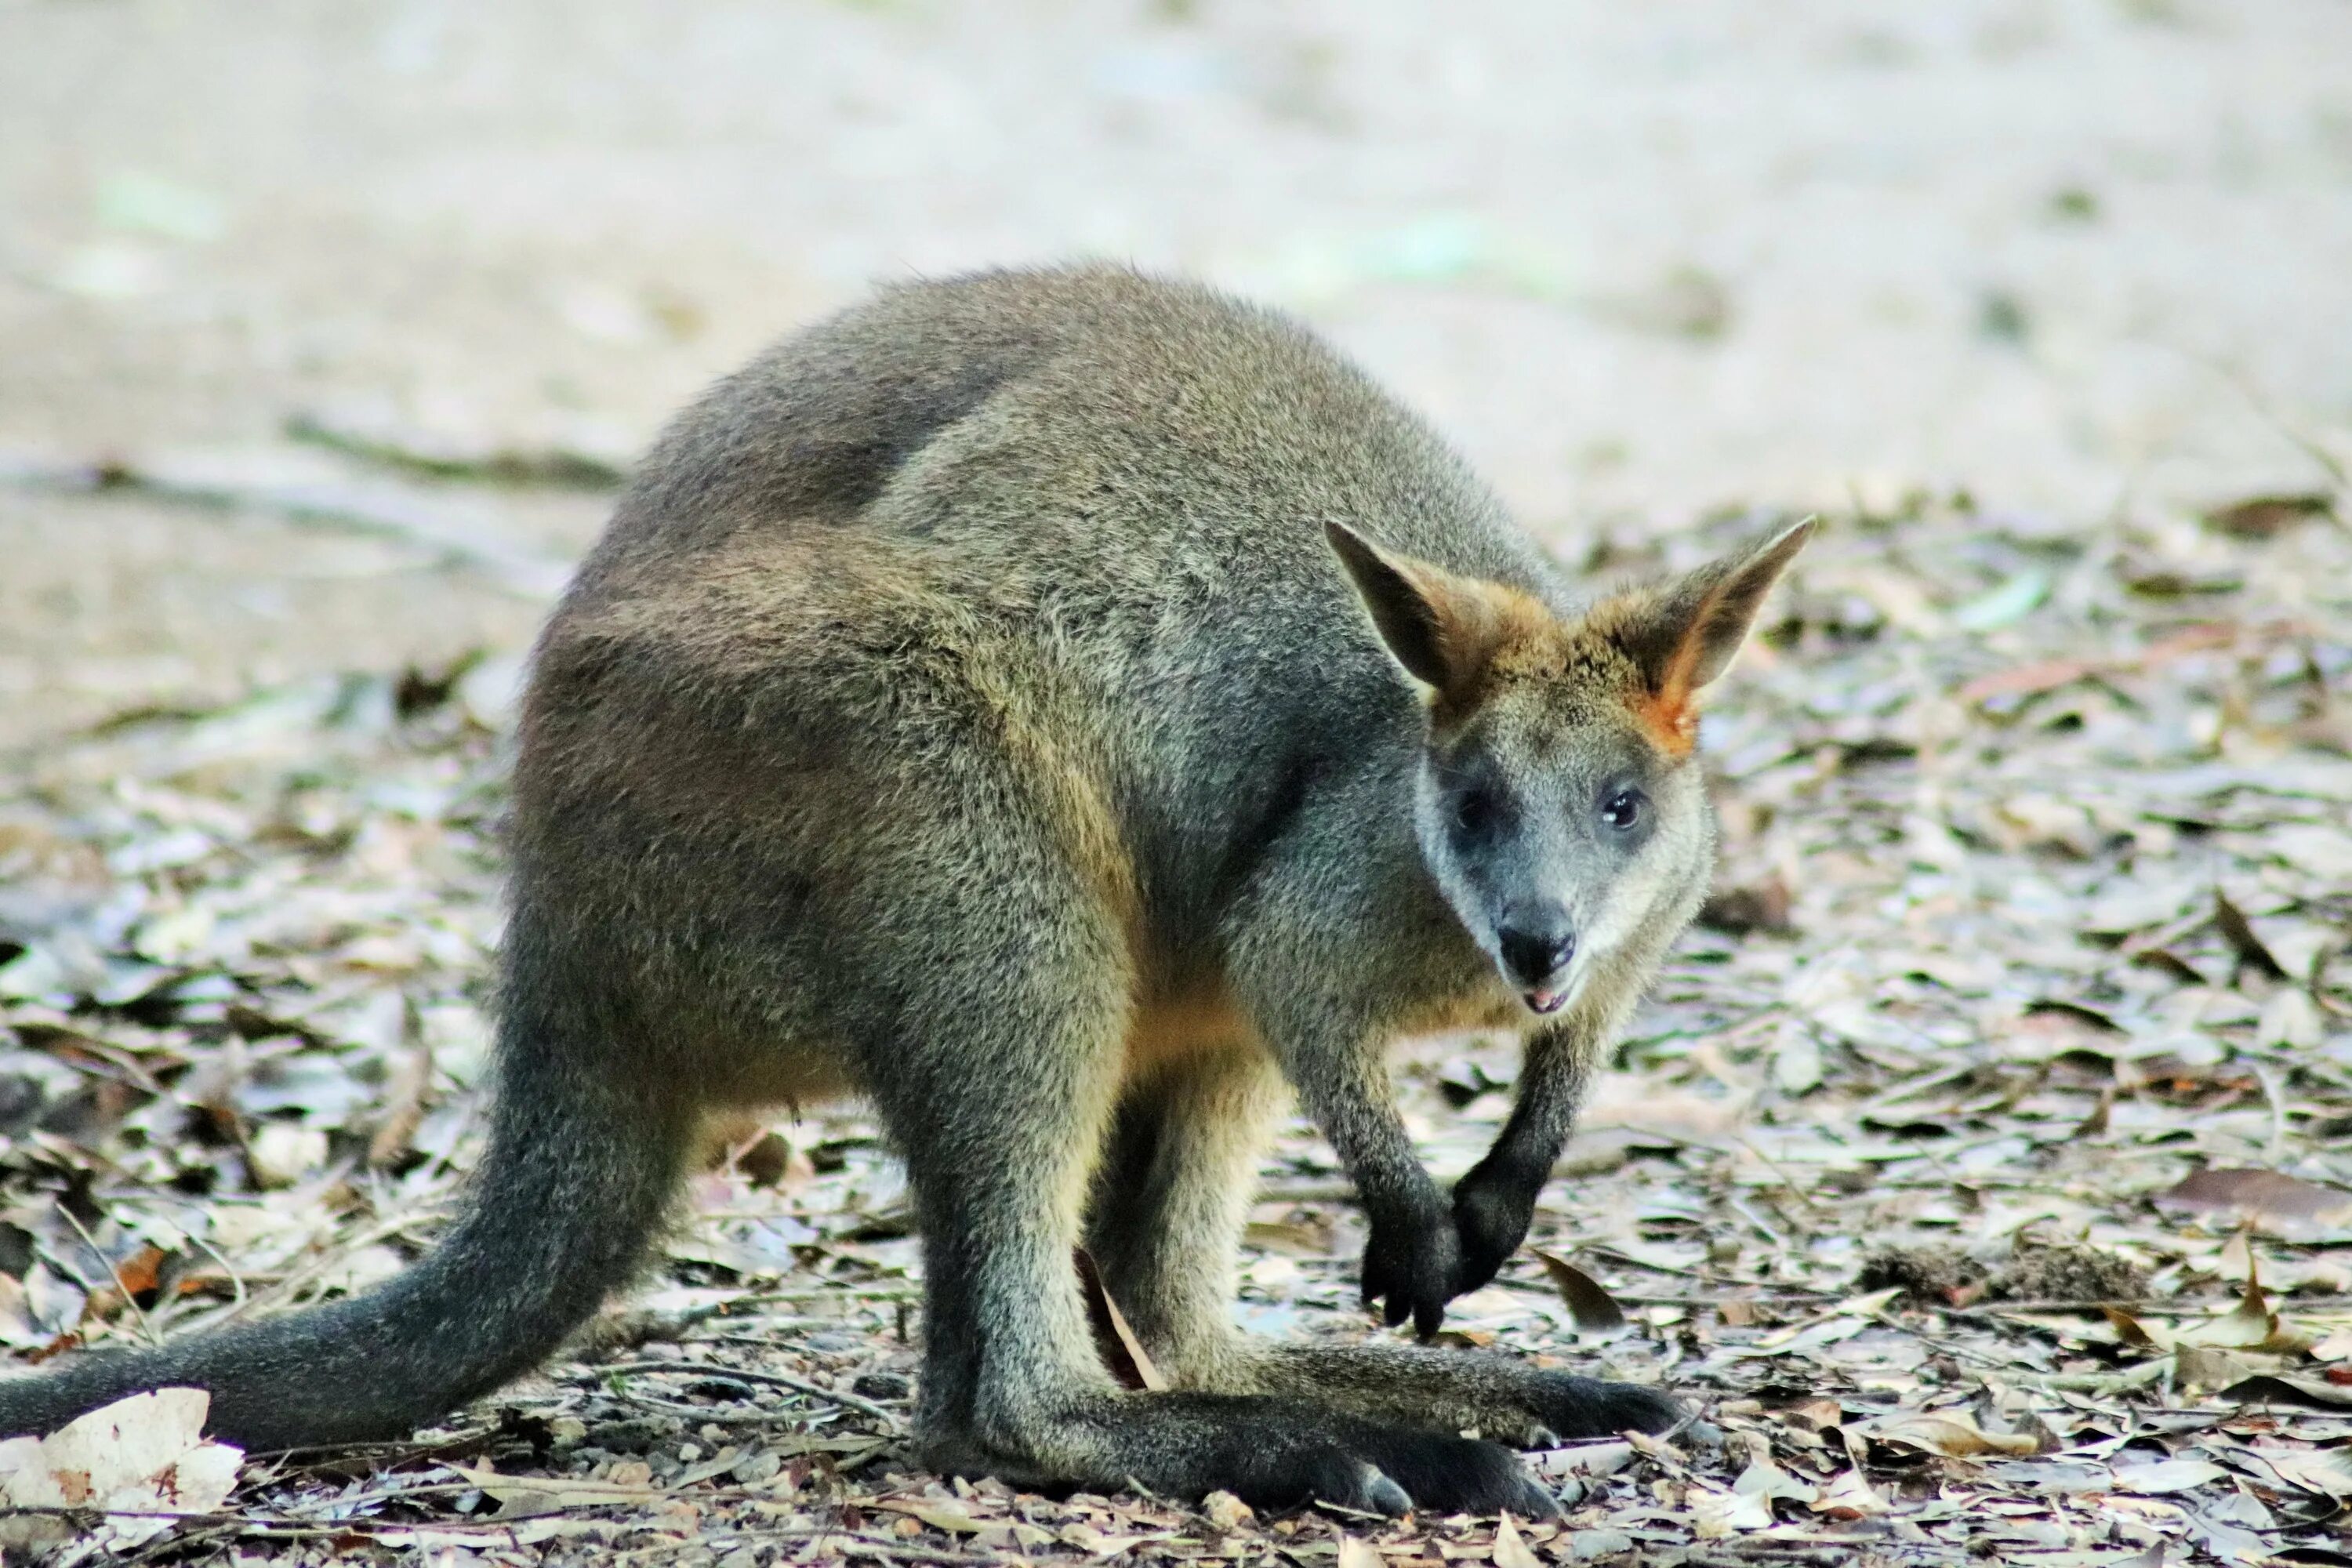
(1475, 811)
(1623, 808)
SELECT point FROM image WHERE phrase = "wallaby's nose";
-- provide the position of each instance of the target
(1536, 953)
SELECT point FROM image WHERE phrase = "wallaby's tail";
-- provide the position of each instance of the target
(579, 1173)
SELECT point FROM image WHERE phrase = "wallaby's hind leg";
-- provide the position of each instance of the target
(1170, 1204)
(1011, 1383)
(994, 1056)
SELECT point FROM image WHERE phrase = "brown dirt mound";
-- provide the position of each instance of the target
(1931, 1276)
(1947, 1277)
(2068, 1273)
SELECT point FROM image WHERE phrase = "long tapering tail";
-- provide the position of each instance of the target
(578, 1176)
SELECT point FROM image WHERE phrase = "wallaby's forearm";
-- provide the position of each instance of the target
(1411, 1258)
(1348, 1095)
(1495, 1202)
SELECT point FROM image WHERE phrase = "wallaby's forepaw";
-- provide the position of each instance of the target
(1571, 1407)
(1412, 1265)
(1419, 1259)
(1493, 1207)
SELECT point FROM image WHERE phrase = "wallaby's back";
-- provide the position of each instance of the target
(1084, 508)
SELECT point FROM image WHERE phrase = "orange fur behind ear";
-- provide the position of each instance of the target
(1671, 720)
(1669, 711)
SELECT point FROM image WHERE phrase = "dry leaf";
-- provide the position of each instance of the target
(2165, 1475)
(2231, 922)
(2327, 1471)
(1848, 1495)
(1357, 1553)
(1510, 1550)
(396, 1129)
(2199, 1368)
(133, 1276)
(1762, 1477)
(2251, 1325)
(1816, 1414)
(1716, 1512)
(2131, 1330)
(939, 1513)
(630, 1481)
(1128, 1361)
(145, 1455)
(1951, 1432)
(2267, 517)
(2282, 1388)
(282, 1153)
(1595, 1310)
(2257, 1194)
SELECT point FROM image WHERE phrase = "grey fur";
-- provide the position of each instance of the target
(966, 708)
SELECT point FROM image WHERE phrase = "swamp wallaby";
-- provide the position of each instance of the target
(1074, 711)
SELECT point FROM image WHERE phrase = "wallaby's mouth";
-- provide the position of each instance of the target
(1543, 1001)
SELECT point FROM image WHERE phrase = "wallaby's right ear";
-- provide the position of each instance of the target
(1442, 628)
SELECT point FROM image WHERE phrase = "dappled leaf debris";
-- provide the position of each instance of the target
(1979, 1170)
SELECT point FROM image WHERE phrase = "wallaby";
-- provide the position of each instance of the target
(1072, 709)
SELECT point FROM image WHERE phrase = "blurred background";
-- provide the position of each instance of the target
(325, 329)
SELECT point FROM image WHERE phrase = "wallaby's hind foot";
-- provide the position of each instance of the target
(1455, 1391)
(1269, 1452)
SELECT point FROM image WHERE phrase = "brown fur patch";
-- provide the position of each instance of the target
(1174, 1028)
(1664, 705)
(1670, 719)
(1523, 641)
(1486, 628)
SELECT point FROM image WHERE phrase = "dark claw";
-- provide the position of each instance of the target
(1387, 1497)
(1410, 1262)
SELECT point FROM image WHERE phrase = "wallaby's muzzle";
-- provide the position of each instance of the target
(1536, 955)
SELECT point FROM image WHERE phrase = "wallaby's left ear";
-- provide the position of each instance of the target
(1686, 633)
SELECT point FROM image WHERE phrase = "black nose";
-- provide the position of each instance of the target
(1535, 956)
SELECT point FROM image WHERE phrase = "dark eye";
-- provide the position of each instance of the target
(1475, 811)
(1623, 808)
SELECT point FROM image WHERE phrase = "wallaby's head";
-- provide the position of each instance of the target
(1557, 803)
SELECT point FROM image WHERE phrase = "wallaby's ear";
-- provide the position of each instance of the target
(1442, 627)
(1686, 633)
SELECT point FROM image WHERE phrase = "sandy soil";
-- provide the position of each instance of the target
(2073, 257)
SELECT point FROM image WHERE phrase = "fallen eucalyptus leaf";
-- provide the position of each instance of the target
(1595, 1310)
